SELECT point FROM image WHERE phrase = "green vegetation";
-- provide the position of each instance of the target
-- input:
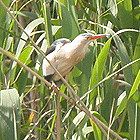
(106, 81)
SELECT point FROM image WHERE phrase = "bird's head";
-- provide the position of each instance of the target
(81, 42)
(86, 38)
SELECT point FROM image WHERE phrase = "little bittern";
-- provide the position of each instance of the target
(64, 55)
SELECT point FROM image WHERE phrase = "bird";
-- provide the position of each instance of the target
(51, 52)
(65, 54)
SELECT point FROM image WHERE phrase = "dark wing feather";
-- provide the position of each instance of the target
(50, 49)
(48, 77)
(63, 41)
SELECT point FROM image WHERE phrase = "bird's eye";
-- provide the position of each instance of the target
(88, 37)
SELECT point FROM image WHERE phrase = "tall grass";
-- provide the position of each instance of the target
(106, 82)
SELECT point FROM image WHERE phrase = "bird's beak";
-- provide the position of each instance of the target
(97, 36)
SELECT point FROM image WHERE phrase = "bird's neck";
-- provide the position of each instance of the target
(80, 45)
(76, 47)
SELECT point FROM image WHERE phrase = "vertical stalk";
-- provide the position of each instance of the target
(58, 125)
(47, 20)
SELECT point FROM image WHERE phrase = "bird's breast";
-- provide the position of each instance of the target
(75, 56)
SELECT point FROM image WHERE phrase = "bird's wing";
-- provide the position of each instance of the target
(57, 44)
(48, 71)
(46, 68)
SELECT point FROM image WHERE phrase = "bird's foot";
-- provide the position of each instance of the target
(54, 86)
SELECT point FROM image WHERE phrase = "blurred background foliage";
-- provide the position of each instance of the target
(116, 101)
